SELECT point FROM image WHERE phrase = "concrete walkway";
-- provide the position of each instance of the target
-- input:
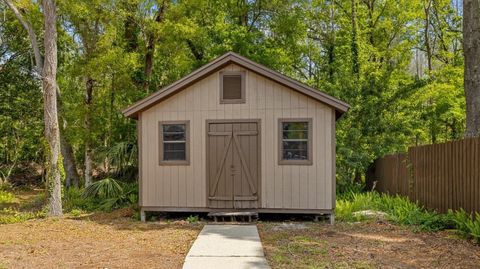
(226, 246)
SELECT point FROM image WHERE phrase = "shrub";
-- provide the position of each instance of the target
(9, 215)
(109, 194)
(6, 197)
(128, 196)
(103, 189)
(73, 199)
(76, 212)
(193, 218)
(399, 210)
(466, 224)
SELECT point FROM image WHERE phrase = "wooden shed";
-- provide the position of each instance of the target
(235, 135)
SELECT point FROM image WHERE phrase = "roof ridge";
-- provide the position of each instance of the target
(218, 63)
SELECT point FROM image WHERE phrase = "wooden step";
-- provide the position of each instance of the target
(233, 215)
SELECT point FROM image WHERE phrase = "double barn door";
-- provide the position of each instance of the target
(233, 164)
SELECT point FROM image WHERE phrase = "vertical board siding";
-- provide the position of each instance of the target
(440, 176)
(282, 186)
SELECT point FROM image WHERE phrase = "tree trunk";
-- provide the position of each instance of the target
(354, 48)
(152, 39)
(69, 164)
(426, 35)
(471, 48)
(52, 133)
(31, 35)
(149, 62)
(71, 173)
(88, 128)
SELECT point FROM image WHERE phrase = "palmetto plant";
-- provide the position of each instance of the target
(122, 157)
(103, 189)
(112, 193)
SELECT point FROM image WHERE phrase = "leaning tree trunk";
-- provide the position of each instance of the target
(52, 133)
(471, 48)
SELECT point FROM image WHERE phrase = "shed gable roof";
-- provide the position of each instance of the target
(220, 62)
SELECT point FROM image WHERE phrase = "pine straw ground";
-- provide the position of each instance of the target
(115, 240)
(363, 245)
(103, 240)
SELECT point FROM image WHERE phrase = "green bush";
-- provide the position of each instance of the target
(128, 196)
(399, 210)
(10, 215)
(76, 212)
(105, 195)
(104, 189)
(6, 197)
(73, 199)
(466, 224)
(193, 218)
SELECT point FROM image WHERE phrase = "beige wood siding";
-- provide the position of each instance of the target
(282, 186)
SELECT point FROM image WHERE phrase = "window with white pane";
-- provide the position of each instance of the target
(295, 141)
(174, 142)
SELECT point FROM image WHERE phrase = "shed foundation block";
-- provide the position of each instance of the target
(143, 216)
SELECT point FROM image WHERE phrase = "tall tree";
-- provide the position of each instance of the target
(48, 72)
(152, 39)
(354, 45)
(471, 48)
(52, 132)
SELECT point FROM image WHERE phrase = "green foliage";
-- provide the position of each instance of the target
(76, 213)
(73, 199)
(379, 67)
(104, 189)
(466, 224)
(6, 197)
(123, 158)
(398, 209)
(10, 215)
(193, 219)
(105, 195)
(128, 196)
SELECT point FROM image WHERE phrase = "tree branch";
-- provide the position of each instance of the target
(31, 35)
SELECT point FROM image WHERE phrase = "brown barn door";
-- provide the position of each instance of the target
(232, 165)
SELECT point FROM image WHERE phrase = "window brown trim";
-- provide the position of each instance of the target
(161, 161)
(308, 161)
(232, 101)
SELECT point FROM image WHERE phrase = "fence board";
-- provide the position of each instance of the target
(440, 176)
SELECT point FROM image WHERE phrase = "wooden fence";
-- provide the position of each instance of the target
(440, 176)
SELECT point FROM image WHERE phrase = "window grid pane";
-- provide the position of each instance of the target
(174, 142)
(295, 140)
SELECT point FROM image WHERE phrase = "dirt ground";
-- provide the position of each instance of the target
(107, 240)
(363, 245)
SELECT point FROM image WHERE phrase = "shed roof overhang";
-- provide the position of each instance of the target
(222, 61)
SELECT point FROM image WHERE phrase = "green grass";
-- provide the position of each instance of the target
(15, 209)
(10, 215)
